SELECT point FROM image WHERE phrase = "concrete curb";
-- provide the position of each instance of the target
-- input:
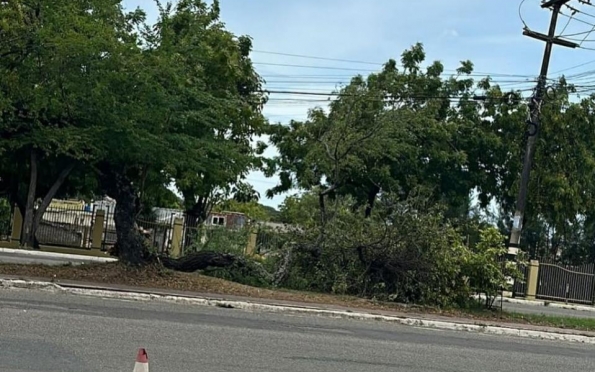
(244, 305)
(63, 256)
(558, 305)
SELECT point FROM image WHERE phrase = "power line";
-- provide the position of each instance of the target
(327, 82)
(574, 67)
(574, 34)
(311, 66)
(319, 58)
(475, 73)
(576, 19)
(574, 10)
(521, 15)
(342, 94)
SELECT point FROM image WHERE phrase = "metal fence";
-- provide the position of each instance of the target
(157, 230)
(108, 237)
(565, 282)
(519, 288)
(68, 226)
(270, 240)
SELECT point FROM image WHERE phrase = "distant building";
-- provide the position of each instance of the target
(230, 220)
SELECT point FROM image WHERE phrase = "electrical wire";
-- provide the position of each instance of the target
(318, 58)
(567, 23)
(342, 94)
(579, 41)
(521, 15)
(574, 34)
(574, 12)
(346, 61)
(476, 74)
(577, 19)
(311, 66)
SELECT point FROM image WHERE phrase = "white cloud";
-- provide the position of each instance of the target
(449, 33)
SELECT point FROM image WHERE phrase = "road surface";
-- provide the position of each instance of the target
(41, 331)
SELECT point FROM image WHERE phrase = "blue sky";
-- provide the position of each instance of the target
(489, 33)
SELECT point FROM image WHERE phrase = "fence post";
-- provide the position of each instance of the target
(176, 239)
(532, 278)
(251, 246)
(17, 225)
(97, 232)
(86, 237)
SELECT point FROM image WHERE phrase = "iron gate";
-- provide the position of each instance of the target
(565, 282)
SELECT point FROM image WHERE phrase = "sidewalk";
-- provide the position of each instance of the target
(559, 305)
(35, 256)
(291, 307)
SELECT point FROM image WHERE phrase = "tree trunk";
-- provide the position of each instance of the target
(131, 248)
(130, 242)
(27, 236)
(195, 216)
(45, 203)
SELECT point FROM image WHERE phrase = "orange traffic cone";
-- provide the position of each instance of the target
(142, 361)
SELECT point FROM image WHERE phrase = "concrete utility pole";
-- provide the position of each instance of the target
(534, 123)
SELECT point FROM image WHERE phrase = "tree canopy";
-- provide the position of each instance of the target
(137, 106)
(96, 101)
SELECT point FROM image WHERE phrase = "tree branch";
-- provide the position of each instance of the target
(51, 193)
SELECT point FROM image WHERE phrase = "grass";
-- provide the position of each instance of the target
(583, 324)
(157, 277)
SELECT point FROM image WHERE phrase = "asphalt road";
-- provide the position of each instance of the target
(41, 331)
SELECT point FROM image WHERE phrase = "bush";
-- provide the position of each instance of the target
(487, 273)
(231, 241)
(220, 239)
(5, 218)
(404, 252)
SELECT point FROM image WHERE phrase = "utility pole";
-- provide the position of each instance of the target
(534, 122)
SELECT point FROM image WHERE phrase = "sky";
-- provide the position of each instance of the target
(489, 33)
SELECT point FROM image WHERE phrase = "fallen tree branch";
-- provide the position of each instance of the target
(208, 259)
(200, 261)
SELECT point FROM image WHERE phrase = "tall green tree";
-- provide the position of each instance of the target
(184, 109)
(54, 56)
(218, 63)
(393, 131)
(560, 190)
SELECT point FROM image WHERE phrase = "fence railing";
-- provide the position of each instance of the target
(565, 282)
(519, 288)
(67, 226)
(159, 233)
(77, 225)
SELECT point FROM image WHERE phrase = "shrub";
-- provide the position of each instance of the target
(487, 273)
(5, 218)
(406, 251)
(220, 239)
